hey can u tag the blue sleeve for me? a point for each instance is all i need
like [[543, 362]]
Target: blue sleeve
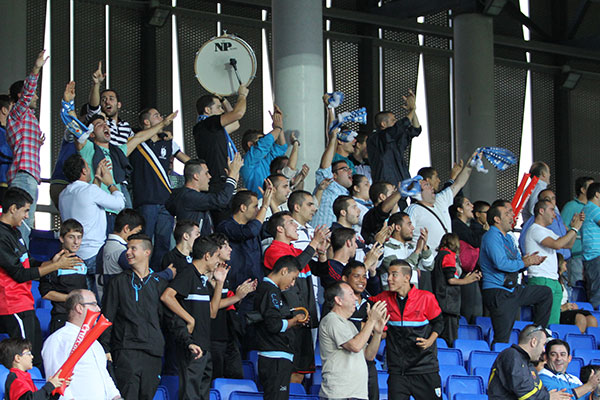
[[74, 125], [493, 246], [551, 383], [322, 174], [166, 274], [526, 225], [123, 263], [568, 211], [276, 151], [260, 150]]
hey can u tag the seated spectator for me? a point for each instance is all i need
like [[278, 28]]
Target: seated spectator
[[340, 174], [17, 270], [261, 150], [87, 203], [570, 313], [57, 285], [17, 357], [190, 297], [91, 379], [274, 332], [385, 198], [554, 376], [400, 247], [114, 252], [359, 156], [447, 282], [186, 232], [194, 201], [360, 193], [347, 215], [6, 155], [584, 375], [341, 343]]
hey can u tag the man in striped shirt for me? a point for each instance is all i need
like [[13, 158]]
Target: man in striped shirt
[[24, 136]]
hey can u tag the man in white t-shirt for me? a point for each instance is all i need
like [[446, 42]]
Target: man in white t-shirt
[[541, 240], [344, 350]]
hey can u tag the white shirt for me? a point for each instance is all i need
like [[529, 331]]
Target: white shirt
[[87, 203], [533, 242], [527, 211], [422, 218], [91, 380]]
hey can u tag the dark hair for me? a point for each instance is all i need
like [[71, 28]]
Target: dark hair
[[356, 180], [557, 342], [539, 206], [377, 189], [274, 178], [205, 101], [110, 90], [202, 246], [362, 137], [450, 241], [427, 172], [183, 226], [500, 203], [74, 298], [540, 196], [592, 190], [297, 198], [334, 165], [129, 217], [340, 236], [278, 164], [276, 221], [480, 205], [289, 262], [15, 90], [16, 196], [145, 239], [341, 203], [219, 238], [537, 168], [579, 182], [5, 101], [70, 225], [397, 218], [144, 115], [381, 117], [333, 291], [192, 167], [11, 347], [494, 212], [243, 197], [95, 117], [250, 136], [351, 266], [73, 167], [403, 264], [586, 371]]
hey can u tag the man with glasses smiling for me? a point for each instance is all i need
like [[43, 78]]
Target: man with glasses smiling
[[90, 377]]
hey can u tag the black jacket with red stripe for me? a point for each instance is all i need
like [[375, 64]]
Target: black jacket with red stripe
[[447, 295], [417, 315]]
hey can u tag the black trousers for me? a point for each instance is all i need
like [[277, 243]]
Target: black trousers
[[194, 375], [373, 381], [450, 332], [275, 375], [422, 387], [503, 304], [137, 373], [471, 305], [25, 325], [304, 353], [226, 360]]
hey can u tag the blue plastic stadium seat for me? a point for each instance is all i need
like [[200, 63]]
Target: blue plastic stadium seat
[[171, 383], [579, 341], [447, 370], [43, 245], [253, 358], [38, 382], [595, 332], [303, 397], [43, 314], [240, 395], [526, 313], [584, 305], [317, 376], [486, 325], [382, 378], [586, 355], [450, 357], [562, 330], [35, 291], [248, 370], [500, 346], [484, 373], [381, 351], [215, 395], [297, 388], [467, 346], [513, 338], [226, 386], [464, 396], [578, 294], [462, 321], [470, 332], [161, 394], [481, 359], [43, 303], [441, 343], [464, 385], [315, 389], [574, 366], [35, 373], [521, 324]]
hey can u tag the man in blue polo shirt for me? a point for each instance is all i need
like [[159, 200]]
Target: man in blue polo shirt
[[590, 233]]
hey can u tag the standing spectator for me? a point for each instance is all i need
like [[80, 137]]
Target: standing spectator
[[542, 171], [385, 198], [57, 285], [90, 379], [261, 150], [575, 263], [590, 233], [87, 203], [543, 241], [216, 120], [501, 262], [359, 156], [25, 138], [194, 201], [186, 232], [347, 215], [151, 184], [302, 208], [479, 223], [343, 344], [6, 155], [17, 314], [415, 324], [281, 192], [360, 193]]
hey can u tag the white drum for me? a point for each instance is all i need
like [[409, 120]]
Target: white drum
[[223, 62]]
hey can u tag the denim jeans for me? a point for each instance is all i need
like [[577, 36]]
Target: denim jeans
[[27, 182], [90, 277], [159, 226]]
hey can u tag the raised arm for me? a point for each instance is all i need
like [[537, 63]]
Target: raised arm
[[329, 152], [146, 134], [293, 159], [97, 79], [411, 107], [463, 177], [237, 112]]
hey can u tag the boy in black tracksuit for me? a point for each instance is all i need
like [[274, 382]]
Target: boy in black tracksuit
[[191, 297], [273, 341]]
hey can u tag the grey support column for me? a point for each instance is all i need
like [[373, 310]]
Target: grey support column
[[474, 96], [298, 75]]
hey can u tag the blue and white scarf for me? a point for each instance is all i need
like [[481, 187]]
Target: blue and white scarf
[[499, 157]]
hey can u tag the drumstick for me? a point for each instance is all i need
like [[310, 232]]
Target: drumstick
[[233, 63]]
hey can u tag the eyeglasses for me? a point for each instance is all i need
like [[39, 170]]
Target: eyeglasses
[[345, 169], [537, 329], [90, 303], [27, 353]]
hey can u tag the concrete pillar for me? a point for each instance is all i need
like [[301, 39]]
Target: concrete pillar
[[474, 96], [13, 31], [298, 75]]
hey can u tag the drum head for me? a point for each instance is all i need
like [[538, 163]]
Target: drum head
[[213, 68]]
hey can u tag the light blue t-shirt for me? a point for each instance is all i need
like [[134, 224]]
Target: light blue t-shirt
[[590, 232]]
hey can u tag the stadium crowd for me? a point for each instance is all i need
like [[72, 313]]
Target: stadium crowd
[[196, 271]]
